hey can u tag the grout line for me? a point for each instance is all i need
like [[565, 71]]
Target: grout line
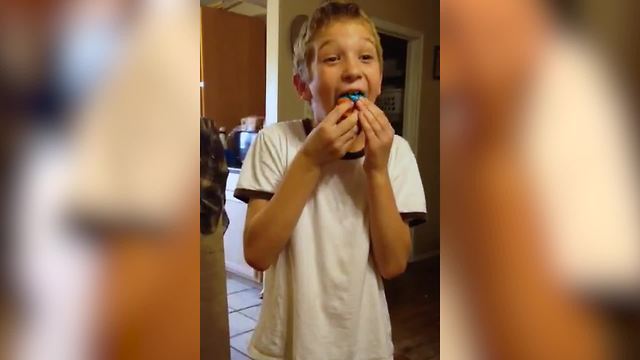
[[247, 316], [242, 333], [239, 291], [243, 281], [242, 352], [248, 307]]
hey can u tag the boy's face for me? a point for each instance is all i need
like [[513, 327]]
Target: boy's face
[[345, 61]]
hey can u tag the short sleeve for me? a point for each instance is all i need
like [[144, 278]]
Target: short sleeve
[[407, 184], [262, 169]]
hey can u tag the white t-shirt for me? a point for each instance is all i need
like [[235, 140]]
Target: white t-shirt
[[323, 298]]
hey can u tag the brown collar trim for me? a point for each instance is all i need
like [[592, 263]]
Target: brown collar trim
[[308, 126], [353, 155]]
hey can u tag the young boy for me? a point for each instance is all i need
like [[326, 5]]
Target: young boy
[[330, 202]]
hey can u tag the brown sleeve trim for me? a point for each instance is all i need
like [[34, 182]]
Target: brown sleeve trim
[[245, 195], [414, 218]]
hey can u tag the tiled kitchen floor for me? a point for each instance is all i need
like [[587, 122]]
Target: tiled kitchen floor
[[244, 301]]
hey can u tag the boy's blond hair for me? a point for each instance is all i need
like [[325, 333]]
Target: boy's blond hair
[[303, 52]]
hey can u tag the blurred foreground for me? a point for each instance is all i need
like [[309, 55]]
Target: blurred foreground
[[539, 171], [540, 240], [99, 156]]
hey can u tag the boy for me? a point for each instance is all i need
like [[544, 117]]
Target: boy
[[330, 202]]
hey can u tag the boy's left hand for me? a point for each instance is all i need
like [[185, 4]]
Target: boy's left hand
[[378, 136]]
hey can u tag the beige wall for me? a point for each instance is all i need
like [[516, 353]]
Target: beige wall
[[419, 15], [289, 105]]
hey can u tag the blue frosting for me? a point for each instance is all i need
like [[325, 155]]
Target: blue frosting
[[354, 96]]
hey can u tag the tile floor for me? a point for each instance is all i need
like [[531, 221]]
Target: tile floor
[[244, 302]]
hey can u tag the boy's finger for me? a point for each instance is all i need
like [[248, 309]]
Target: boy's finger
[[372, 107], [366, 127], [364, 104], [370, 118], [345, 140], [347, 145], [347, 124], [379, 116], [383, 125], [336, 114]]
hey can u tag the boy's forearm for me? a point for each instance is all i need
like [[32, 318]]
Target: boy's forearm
[[390, 235], [267, 233]]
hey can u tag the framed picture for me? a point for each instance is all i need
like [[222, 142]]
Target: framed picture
[[436, 62]]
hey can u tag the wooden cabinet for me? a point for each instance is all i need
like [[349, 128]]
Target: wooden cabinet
[[233, 66]]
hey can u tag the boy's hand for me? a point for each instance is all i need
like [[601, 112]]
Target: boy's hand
[[331, 139], [378, 136]]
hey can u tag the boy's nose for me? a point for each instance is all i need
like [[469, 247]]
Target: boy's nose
[[351, 72]]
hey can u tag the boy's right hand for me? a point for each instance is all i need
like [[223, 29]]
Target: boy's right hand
[[331, 138]]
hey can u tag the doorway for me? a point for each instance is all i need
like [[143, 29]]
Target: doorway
[[404, 72], [393, 80]]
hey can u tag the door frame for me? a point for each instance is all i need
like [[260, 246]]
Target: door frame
[[412, 87], [413, 77]]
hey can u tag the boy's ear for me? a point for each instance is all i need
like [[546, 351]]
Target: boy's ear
[[302, 88]]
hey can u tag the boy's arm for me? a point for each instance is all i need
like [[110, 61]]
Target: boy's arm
[[390, 235], [269, 224]]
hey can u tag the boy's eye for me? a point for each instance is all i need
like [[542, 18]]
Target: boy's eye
[[330, 59], [366, 57]]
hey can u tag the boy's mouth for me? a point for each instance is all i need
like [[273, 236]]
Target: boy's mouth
[[352, 95]]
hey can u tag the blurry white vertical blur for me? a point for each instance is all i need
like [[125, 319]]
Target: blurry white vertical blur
[[55, 267], [136, 152], [121, 150], [91, 35], [566, 120], [578, 140]]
